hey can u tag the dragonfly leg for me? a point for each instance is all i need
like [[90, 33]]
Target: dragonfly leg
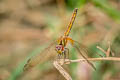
[[60, 59], [66, 55], [59, 56]]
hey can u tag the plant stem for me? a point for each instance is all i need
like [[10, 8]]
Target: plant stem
[[98, 59]]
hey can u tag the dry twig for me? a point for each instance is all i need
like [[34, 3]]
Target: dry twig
[[107, 53], [61, 70], [58, 64], [97, 59]]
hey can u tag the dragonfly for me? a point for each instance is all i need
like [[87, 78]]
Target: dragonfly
[[59, 47]]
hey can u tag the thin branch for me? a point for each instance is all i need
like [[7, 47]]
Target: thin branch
[[67, 76], [108, 52], [60, 62], [101, 50], [62, 70], [97, 59]]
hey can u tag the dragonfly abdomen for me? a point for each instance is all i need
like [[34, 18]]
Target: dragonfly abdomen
[[71, 23]]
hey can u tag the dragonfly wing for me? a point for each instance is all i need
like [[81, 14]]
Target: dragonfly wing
[[82, 50], [83, 47], [42, 57]]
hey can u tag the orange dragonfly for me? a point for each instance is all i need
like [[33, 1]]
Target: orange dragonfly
[[59, 46]]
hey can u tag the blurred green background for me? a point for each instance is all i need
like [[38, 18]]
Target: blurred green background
[[28, 26]]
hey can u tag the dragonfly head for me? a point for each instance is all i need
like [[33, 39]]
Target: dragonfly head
[[59, 48]]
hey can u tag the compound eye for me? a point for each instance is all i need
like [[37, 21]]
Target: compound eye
[[58, 47]]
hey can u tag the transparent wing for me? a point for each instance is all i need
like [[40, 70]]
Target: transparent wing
[[82, 50], [86, 49], [42, 57]]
